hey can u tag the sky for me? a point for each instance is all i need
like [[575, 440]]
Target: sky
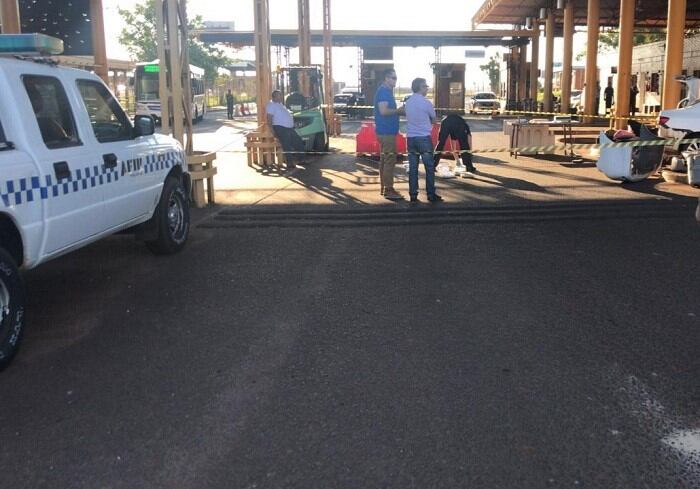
[[347, 14]]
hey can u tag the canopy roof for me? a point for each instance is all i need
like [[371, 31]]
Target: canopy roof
[[377, 38], [649, 13]]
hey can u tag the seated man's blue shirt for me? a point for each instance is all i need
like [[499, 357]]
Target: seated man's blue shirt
[[385, 125]]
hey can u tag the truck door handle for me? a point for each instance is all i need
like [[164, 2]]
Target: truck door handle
[[61, 170], [110, 160]]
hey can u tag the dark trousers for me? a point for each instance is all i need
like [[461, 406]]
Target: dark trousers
[[230, 111], [460, 136], [291, 143]]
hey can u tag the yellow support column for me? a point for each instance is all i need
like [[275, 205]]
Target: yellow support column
[[534, 65], [9, 15], [591, 90], [624, 64], [262, 59], [549, 61], [675, 37], [304, 33], [567, 65], [98, 40]]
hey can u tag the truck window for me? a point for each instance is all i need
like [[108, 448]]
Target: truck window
[[3, 141], [109, 122], [52, 110]]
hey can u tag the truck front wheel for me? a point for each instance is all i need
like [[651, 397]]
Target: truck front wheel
[[11, 308], [171, 219]]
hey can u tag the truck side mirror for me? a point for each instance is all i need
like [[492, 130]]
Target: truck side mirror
[[144, 126]]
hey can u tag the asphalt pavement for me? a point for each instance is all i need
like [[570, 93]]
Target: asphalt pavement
[[519, 345]]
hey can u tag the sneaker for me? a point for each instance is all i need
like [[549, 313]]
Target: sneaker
[[473, 170], [414, 199], [435, 198], [392, 194], [382, 191]]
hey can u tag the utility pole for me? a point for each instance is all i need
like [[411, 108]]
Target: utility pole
[[99, 46], [262, 59], [175, 87], [328, 65], [9, 15]]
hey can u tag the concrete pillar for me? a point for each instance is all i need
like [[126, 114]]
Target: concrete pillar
[[549, 61], [534, 64], [99, 46], [262, 59], [9, 14], [675, 37], [512, 90], [522, 76], [591, 91], [304, 33], [624, 64], [567, 65]]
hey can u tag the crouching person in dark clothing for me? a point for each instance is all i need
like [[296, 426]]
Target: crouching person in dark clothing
[[455, 127], [282, 123]]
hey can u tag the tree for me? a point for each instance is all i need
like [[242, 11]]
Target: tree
[[139, 38], [493, 69], [608, 41]]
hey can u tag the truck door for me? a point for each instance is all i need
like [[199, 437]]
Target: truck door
[[72, 176], [20, 191], [131, 195]]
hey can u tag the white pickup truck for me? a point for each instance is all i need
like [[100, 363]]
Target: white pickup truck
[[74, 169]]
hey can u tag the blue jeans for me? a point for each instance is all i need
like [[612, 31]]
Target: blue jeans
[[423, 147]]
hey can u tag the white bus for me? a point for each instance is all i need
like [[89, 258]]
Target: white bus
[[148, 98]]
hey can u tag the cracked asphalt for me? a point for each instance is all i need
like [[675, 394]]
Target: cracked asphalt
[[529, 345], [497, 354]]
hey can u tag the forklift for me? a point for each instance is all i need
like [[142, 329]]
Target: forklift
[[302, 89]]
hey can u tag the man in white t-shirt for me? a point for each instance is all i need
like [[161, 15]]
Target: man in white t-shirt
[[282, 123], [420, 116]]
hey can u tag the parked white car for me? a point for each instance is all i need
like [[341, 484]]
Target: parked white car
[[683, 123], [74, 170], [483, 102]]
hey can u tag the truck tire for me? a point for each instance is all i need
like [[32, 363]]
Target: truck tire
[[11, 308], [321, 145], [171, 219]]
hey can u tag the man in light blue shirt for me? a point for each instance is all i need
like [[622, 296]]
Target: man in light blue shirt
[[420, 116]]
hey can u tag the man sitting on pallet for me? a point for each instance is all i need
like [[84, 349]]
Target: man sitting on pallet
[[282, 122]]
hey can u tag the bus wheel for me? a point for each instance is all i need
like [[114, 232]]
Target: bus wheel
[[195, 119]]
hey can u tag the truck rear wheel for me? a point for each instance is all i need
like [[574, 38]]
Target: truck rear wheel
[[11, 308], [320, 143], [171, 218]]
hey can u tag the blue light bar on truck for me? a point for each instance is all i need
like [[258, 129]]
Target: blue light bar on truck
[[30, 44]]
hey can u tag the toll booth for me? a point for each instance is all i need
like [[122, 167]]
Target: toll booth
[[372, 77], [448, 86]]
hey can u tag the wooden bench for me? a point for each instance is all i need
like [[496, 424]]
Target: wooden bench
[[264, 150], [201, 167]]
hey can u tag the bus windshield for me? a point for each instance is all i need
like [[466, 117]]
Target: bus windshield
[[146, 84]]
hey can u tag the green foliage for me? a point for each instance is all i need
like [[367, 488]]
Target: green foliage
[[608, 41], [493, 69], [139, 38]]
